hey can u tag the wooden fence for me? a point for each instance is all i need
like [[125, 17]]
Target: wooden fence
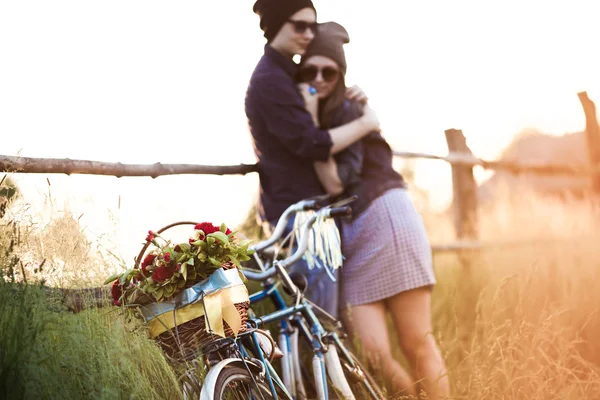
[[459, 157]]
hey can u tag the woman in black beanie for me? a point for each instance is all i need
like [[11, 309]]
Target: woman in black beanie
[[286, 140], [388, 264]]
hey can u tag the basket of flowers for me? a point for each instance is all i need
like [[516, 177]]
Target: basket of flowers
[[187, 293]]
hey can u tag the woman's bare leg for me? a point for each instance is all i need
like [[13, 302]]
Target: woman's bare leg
[[368, 322], [411, 312]]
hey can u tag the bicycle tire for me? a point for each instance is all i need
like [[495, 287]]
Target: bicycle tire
[[240, 375], [333, 394], [360, 388], [336, 375]]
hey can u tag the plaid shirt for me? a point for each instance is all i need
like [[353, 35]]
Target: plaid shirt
[[285, 139]]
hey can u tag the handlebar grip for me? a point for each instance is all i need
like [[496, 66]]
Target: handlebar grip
[[311, 205], [316, 202], [340, 211]]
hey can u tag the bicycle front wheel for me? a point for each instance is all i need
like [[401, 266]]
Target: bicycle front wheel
[[236, 383]]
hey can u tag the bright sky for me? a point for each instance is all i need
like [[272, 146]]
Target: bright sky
[[147, 81]]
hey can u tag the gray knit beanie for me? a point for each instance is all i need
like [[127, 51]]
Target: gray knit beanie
[[329, 42]]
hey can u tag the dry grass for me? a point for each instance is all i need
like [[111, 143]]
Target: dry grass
[[520, 323]]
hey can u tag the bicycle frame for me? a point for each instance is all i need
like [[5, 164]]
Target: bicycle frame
[[305, 320], [302, 318], [312, 334]]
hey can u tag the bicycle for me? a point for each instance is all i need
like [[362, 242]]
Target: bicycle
[[230, 361], [288, 340]]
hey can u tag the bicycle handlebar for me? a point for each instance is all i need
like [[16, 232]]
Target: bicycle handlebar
[[302, 245], [313, 203]]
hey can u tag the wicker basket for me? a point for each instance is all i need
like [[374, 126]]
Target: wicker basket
[[186, 340]]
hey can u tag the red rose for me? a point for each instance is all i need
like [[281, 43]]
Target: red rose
[[150, 236], [207, 228], [178, 267], [116, 291], [147, 261], [167, 257], [177, 249], [162, 273]]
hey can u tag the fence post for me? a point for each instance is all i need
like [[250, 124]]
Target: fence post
[[464, 189], [592, 135]]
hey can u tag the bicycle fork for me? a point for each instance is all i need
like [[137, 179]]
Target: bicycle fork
[[319, 368]]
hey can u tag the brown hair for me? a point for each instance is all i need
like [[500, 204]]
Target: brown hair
[[329, 105]]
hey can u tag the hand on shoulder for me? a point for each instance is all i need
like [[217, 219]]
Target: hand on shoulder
[[357, 94]]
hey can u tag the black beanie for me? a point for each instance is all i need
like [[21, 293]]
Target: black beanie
[[329, 42], [274, 13]]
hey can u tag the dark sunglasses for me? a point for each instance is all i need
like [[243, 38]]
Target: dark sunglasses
[[309, 73], [301, 26]]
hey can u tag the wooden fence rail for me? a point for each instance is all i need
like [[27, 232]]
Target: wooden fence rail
[[68, 166], [459, 157]]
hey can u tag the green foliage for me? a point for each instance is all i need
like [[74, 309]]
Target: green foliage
[[8, 189], [47, 353], [9, 233], [171, 268]]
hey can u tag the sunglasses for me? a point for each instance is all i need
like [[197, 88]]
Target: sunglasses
[[301, 26], [310, 72]]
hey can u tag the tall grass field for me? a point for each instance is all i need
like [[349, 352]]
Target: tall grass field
[[513, 322]]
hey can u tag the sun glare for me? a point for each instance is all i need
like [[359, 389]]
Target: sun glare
[[139, 82]]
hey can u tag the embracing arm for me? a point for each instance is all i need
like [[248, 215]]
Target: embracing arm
[[327, 171], [337, 172], [345, 135], [342, 171], [328, 175], [350, 133], [285, 116]]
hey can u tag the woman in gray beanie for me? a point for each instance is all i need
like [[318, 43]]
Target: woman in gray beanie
[[388, 263]]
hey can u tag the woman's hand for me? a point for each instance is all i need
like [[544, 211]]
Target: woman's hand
[[311, 101], [356, 93]]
